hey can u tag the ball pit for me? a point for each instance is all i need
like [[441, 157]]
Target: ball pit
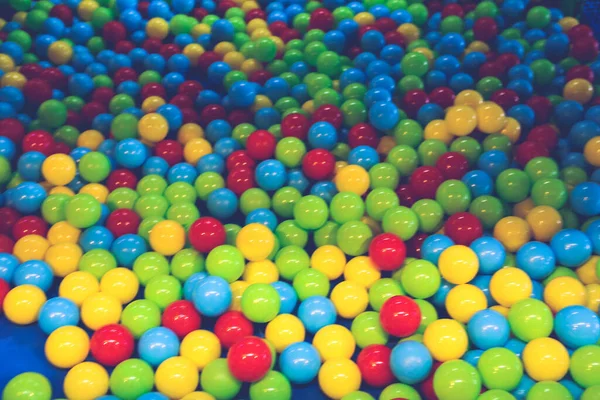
[[267, 200]]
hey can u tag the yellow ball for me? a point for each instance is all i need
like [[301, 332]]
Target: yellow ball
[[461, 120], [100, 309], [446, 339], [587, 272], [77, 286], [237, 290], [338, 167], [63, 232], [509, 285], [562, 292], [463, 301], [67, 346], [7, 64], [478, 46], [512, 232], [153, 127], [284, 330], [167, 237], [96, 190], [223, 48], [471, 98], [30, 247], [255, 241], [193, 51], [261, 101], [309, 106], [591, 151], [544, 222], [86, 381], [545, 359], [22, 304], [198, 396], [255, 24], [426, 52], [60, 52], [188, 132], [176, 377], [410, 32], [59, 169], [195, 149], [521, 209], [200, 347], [90, 139], [15, 79], [386, 144], [86, 8], [458, 264], [512, 129], [364, 18], [362, 270], [63, 258], [122, 283], [250, 66], [593, 297], [437, 129], [349, 299], [337, 378], [567, 23], [234, 59], [334, 341], [200, 29], [264, 271], [352, 178], [61, 190], [502, 310], [579, 90], [330, 260], [157, 28], [490, 117], [151, 104]]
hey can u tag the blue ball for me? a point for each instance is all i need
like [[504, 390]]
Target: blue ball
[[57, 312], [211, 163], [488, 329], [270, 175], [96, 237], [131, 153], [439, 298], [483, 283], [524, 114], [572, 387], [537, 291], [322, 135], [8, 264], [316, 312], [429, 112], [225, 146], [29, 166], [384, 115], [577, 326], [217, 129], [567, 113], [7, 148], [516, 346], [262, 216], [571, 247], [28, 197], [479, 183], [172, 114], [190, 284], [128, 248], [536, 259], [182, 172], [155, 166], [491, 254], [593, 233], [523, 387], [222, 203], [433, 246], [242, 94], [376, 95], [212, 296], [585, 199], [365, 156], [158, 344], [581, 133], [410, 362], [287, 296], [493, 162], [372, 41], [34, 272], [153, 396], [300, 362], [473, 356]]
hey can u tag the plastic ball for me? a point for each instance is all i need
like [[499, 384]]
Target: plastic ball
[[300, 362], [87, 380], [333, 372], [23, 303], [398, 309], [28, 385], [176, 377], [545, 359], [67, 346]]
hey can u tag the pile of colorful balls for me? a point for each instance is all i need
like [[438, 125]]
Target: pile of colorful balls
[[242, 199]]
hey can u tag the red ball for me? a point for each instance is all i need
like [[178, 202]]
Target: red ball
[[261, 77], [38, 140], [55, 77], [62, 12], [544, 134], [6, 244], [250, 359], [124, 47], [362, 134], [37, 91], [329, 113], [387, 251], [585, 49], [529, 150], [61, 148], [190, 88], [374, 364], [542, 108], [240, 116], [442, 96], [318, 164], [223, 6], [491, 68], [385, 25], [463, 228], [485, 29], [103, 95], [505, 98], [4, 289], [277, 27], [295, 125], [232, 327], [206, 233], [206, 59], [239, 159], [414, 244], [212, 112], [170, 150], [579, 31], [394, 37], [260, 145], [413, 100], [124, 74], [425, 181], [91, 110], [321, 19], [189, 115], [427, 385], [256, 13], [112, 344], [508, 60], [400, 316], [453, 9], [406, 195], [121, 178], [29, 225], [181, 317], [152, 45], [153, 89], [114, 31], [580, 72], [240, 179], [12, 129], [31, 71], [8, 218], [123, 221], [182, 101], [452, 165]]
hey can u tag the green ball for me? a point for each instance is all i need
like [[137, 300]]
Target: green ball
[[543, 72], [497, 141], [290, 260], [311, 212], [383, 176], [28, 386], [310, 282], [558, 272], [420, 279], [124, 126], [231, 232], [5, 170], [131, 379], [327, 234], [183, 213], [83, 211], [409, 82], [290, 151], [152, 184], [139, 316], [180, 192], [404, 158], [549, 192], [530, 319], [414, 64], [429, 213], [541, 168], [430, 150], [457, 379], [584, 367], [185, 263], [354, 238], [226, 262], [428, 314], [163, 290], [488, 209], [216, 380], [500, 369], [486, 9], [274, 386], [454, 196], [122, 197], [379, 201], [358, 396], [591, 393], [488, 85], [329, 63], [67, 134], [54, 208], [468, 147], [573, 176], [382, 290], [260, 303], [21, 37], [290, 234], [120, 103], [496, 394], [346, 206], [94, 167], [151, 205], [513, 185], [253, 199], [52, 113], [150, 265], [97, 262], [354, 112], [538, 17], [452, 24], [399, 391], [547, 390], [146, 226], [207, 182], [284, 200], [401, 221], [367, 330]]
